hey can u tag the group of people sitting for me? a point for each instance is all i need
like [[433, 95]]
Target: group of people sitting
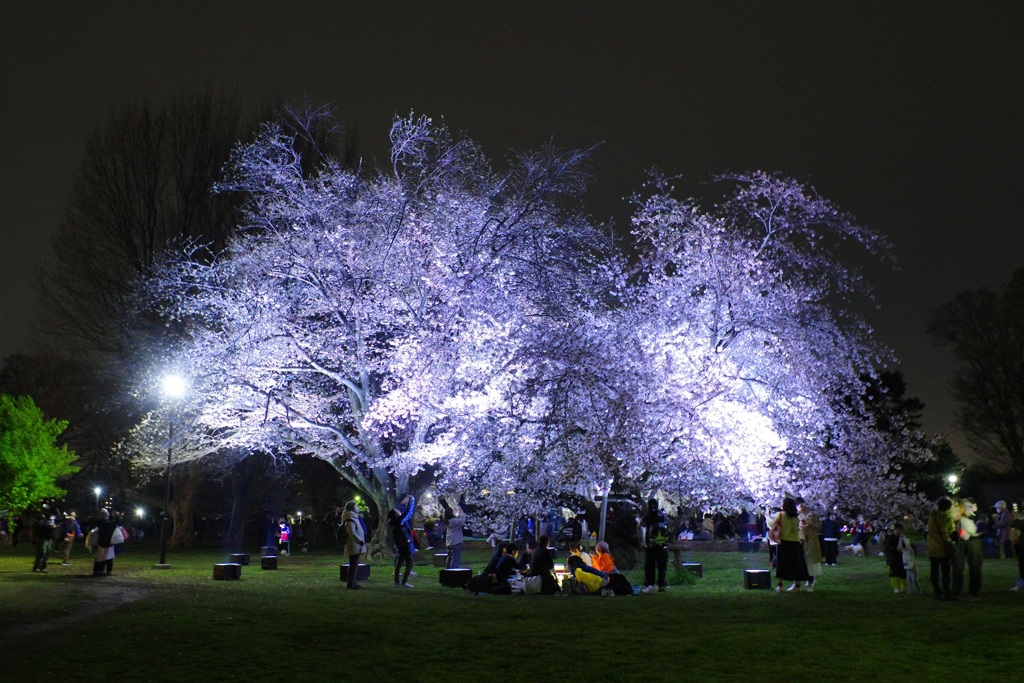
[[510, 571]]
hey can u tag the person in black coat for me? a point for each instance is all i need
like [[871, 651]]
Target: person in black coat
[[656, 548], [403, 547], [829, 534], [543, 565]]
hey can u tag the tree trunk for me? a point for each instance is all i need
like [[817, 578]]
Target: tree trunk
[[187, 479], [234, 539], [250, 481]]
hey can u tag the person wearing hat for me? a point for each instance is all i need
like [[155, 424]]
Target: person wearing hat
[[70, 531], [42, 539], [1002, 526], [968, 550]]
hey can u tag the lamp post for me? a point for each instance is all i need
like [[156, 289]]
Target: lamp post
[[174, 388]]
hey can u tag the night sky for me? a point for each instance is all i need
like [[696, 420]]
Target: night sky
[[908, 115]]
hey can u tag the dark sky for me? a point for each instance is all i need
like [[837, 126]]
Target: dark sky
[[908, 115]]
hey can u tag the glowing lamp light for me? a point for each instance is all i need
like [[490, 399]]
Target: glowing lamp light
[[140, 513], [951, 479], [174, 386]]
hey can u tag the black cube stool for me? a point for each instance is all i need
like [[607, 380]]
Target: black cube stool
[[757, 578], [362, 572], [227, 571], [268, 562], [440, 559], [240, 558], [455, 578], [268, 550]]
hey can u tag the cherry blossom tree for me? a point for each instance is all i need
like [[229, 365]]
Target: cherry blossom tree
[[728, 373], [443, 322], [367, 318], [743, 316]]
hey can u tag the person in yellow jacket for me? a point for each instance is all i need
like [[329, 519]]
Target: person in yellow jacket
[[586, 576], [790, 564]]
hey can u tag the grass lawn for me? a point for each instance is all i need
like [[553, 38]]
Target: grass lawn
[[299, 623]]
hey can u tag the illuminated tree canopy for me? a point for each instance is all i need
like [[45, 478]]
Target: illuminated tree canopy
[[445, 319], [361, 318], [31, 462], [760, 367]]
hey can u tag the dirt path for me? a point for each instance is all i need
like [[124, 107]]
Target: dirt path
[[88, 598]]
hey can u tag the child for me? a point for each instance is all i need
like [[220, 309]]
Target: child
[[910, 566]]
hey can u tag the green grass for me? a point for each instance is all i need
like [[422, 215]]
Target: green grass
[[299, 623]]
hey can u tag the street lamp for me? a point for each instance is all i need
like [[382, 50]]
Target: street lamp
[[97, 491], [174, 388]]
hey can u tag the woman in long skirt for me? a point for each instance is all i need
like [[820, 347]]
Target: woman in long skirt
[[789, 562]]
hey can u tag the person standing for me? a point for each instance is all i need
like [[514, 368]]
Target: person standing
[[1002, 526], [284, 536], [70, 530], [103, 551], [810, 525], [968, 551], [335, 524], [655, 548], [830, 532], [1017, 534], [940, 548], [790, 564], [355, 541], [456, 523], [403, 548], [895, 545], [406, 511], [42, 540]]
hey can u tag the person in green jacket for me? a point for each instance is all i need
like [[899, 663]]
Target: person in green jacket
[[940, 548]]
